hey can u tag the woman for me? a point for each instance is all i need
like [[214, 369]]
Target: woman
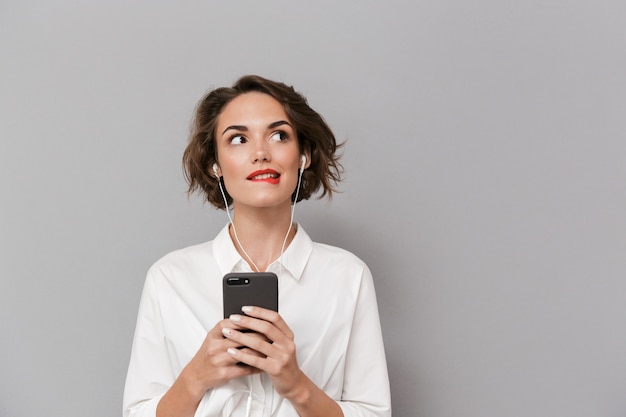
[[257, 147]]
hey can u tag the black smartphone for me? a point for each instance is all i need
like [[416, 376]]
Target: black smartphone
[[259, 289]]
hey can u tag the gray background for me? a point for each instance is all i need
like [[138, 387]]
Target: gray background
[[484, 186]]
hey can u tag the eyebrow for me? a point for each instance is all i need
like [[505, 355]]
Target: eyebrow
[[245, 128]]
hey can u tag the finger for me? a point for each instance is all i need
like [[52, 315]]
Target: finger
[[216, 332], [250, 358], [263, 331], [243, 340], [251, 352], [231, 365], [253, 341], [238, 369], [261, 313], [253, 327], [266, 355], [273, 365], [214, 355], [270, 316], [262, 316]]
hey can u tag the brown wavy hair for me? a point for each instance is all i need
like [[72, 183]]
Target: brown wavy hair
[[314, 136]]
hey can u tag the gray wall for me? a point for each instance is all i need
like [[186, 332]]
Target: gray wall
[[485, 172]]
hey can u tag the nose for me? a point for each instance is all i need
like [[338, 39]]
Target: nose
[[260, 153]]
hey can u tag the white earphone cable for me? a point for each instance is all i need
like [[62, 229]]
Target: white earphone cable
[[293, 209]]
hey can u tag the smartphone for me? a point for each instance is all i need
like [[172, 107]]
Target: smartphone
[[259, 289]]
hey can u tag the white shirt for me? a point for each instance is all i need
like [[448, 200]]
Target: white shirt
[[326, 296]]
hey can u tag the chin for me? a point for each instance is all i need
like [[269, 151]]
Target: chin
[[268, 202]]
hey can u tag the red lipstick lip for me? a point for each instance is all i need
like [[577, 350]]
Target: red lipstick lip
[[265, 171]]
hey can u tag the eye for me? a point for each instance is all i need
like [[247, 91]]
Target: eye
[[237, 140], [279, 136]]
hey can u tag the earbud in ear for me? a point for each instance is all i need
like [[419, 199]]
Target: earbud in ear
[[215, 170], [303, 159]]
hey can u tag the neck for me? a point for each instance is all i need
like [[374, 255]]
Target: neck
[[261, 234]]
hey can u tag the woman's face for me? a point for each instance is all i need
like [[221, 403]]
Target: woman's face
[[257, 151]]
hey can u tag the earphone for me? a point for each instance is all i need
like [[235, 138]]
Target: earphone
[[215, 170]]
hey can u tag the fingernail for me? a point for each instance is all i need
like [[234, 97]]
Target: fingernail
[[247, 309], [227, 332], [235, 317], [232, 351]]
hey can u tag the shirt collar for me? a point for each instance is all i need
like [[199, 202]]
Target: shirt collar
[[293, 261]]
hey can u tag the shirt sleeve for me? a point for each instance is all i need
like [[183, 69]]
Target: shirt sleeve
[[366, 382], [149, 372]]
